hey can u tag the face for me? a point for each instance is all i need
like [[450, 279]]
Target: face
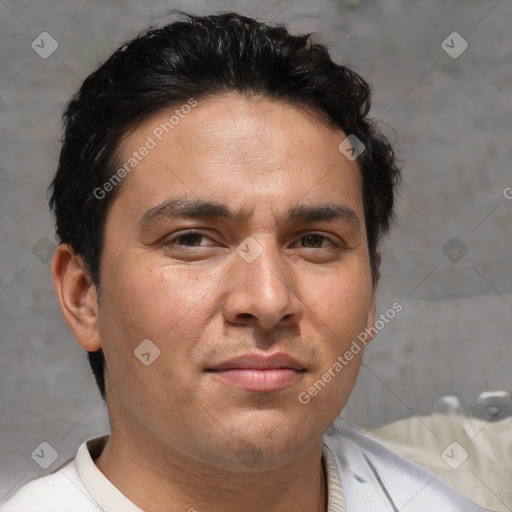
[[237, 245]]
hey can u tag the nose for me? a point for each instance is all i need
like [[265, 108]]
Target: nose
[[263, 292]]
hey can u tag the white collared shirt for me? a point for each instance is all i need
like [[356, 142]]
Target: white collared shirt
[[374, 479]]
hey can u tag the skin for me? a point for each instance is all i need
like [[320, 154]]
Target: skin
[[180, 434]]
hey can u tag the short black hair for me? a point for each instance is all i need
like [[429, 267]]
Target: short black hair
[[199, 57]]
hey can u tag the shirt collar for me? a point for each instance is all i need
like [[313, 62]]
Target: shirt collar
[[104, 492], [111, 499], [335, 500]]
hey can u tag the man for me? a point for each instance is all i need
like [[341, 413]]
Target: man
[[219, 200]]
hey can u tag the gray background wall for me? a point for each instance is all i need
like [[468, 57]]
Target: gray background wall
[[453, 119]]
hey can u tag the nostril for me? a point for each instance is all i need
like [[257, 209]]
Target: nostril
[[246, 316]]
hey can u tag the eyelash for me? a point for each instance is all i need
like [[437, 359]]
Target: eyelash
[[172, 241]]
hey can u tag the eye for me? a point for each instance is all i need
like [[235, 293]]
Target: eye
[[189, 239], [315, 241], [192, 246]]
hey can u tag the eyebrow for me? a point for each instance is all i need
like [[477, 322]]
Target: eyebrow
[[203, 209], [322, 212], [193, 208]]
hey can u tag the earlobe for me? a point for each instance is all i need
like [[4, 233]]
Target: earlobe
[[77, 296]]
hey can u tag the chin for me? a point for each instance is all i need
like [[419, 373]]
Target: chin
[[262, 444]]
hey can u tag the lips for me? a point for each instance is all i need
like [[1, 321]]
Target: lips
[[258, 373], [260, 362]]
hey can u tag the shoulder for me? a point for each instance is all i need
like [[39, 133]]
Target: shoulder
[[447, 444], [53, 493], [386, 479]]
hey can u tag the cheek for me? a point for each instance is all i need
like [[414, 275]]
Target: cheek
[[151, 301], [339, 312], [170, 306], [340, 308]]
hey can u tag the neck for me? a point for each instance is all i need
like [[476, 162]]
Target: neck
[[152, 480]]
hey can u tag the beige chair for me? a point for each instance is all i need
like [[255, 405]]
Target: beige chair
[[474, 454]]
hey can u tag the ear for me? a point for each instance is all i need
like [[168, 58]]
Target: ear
[[77, 297]]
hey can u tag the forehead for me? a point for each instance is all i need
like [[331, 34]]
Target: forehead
[[235, 149]]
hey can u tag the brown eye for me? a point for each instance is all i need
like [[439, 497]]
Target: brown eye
[[189, 239], [312, 241]]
